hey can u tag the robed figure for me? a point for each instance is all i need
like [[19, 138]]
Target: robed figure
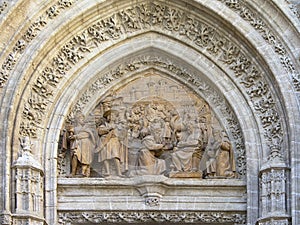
[[82, 146], [112, 148]]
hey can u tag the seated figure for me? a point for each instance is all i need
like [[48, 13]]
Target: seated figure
[[221, 162], [225, 159], [184, 154], [148, 161]]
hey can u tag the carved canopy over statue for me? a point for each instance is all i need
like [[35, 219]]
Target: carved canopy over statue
[[152, 126]]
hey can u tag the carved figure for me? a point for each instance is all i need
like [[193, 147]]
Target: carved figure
[[182, 155], [111, 150], [25, 143], [225, 159], [197, 156], [211, 163], [82, 145], [148, 161], [221, 162]]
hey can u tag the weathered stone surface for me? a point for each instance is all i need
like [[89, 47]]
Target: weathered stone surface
[[149, 112]]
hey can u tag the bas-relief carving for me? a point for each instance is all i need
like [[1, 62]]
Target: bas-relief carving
[[151, 126], [82, 143], [221, 161], [112, 145], [197, 83], [113, 27], [66, 218]]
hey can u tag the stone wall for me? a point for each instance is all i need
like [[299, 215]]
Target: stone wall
[[239, 59]]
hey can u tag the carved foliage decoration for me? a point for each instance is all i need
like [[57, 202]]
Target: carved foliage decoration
[[31, 33], [131, 24], [294, 9], [156, 17], [195, 81], [154, 216], [268, 35]]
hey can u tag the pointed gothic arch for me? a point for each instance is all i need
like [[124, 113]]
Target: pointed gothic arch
[[188, 41]]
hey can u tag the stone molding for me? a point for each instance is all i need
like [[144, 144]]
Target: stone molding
[[31, 33], [293, 7], [266, 104], [148, 199], [191, 29], [263, 28], [55, 10], [67, 218], [151, 192]]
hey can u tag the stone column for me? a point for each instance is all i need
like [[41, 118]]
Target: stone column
[[28, 196], [273, 191]]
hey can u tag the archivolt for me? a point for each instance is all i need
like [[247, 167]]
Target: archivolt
[[172, 21], [108, 30]]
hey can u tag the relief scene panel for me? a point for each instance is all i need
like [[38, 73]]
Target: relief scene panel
[[150, 126]]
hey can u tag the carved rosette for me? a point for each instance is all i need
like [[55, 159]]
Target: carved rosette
[[152, 199]]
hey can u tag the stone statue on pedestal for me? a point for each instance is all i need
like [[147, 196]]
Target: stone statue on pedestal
[[82, 146]]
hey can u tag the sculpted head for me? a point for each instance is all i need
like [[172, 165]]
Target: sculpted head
[[79, 118]]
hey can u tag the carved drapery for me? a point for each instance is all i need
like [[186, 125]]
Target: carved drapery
[[215, 43], [245, 70], [186, 128], [200, 85], [37, 105]]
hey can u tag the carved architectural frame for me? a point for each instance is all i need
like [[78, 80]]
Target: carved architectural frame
[[231, 69]]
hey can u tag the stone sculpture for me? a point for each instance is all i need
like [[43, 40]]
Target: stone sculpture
[[221, 162], [148, 159], [182, 153], [110, 148], [153, 127], [82, 145], [225, 159]]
